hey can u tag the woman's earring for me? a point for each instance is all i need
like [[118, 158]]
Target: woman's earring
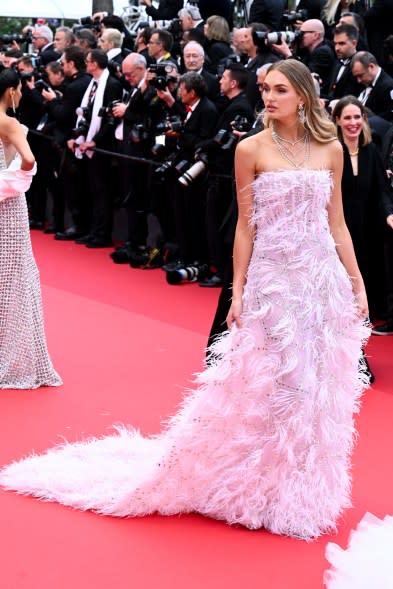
[[13, 104], [301, 114]]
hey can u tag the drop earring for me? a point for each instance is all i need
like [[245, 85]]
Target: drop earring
[[301, 114], [13, 104]]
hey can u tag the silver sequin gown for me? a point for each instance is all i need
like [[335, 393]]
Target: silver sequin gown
[[24, 358]]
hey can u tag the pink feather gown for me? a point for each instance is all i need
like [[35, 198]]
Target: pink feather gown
[[265, 439]]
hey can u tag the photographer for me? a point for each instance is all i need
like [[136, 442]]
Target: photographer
[[42, 41], [238, 116], [134, 139], [318, 54], [95, 129], [190, 197], [71, 173], [160, 46]]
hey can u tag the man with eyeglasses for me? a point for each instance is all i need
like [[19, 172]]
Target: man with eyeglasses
[[42, 41], [160, 45], [319, 56]]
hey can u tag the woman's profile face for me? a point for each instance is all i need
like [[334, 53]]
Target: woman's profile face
[[16, 94], [350, 121], [279, 96]]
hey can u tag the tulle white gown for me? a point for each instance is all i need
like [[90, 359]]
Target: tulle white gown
[[24, 358], [265, 438]]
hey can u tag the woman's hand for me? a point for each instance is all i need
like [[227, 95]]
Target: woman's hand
[[362, 304], [389, 221], [234, 314]]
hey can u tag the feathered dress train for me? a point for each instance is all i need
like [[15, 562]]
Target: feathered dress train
[[265, 439], [367, 563]]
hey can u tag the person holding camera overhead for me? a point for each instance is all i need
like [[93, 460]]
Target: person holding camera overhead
[[166, 10]]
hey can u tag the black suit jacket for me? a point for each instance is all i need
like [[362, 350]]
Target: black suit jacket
[[268, 12], [113, 91], [213, 85], [63, 110], [199, 127], [48, 54], [347, 83], [222, 160], [253, 94], [321, 61], [167, 10], [380, 99]]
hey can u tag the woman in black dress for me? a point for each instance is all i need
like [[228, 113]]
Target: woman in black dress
[[366, 197]]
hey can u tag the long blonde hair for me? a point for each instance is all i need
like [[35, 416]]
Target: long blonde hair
[[322, 129]]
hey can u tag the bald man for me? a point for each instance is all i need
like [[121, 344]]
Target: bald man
[[319, 55]]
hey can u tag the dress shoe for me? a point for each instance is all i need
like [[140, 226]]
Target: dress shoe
[[50, 229], [69, 234], [213, 282], [97, 243], [83, 240], [121, 255], [36, 224]]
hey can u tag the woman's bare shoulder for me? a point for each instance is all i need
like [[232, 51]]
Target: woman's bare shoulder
[[249, 145]]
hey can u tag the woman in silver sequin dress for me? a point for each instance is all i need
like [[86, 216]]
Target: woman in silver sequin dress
[[24, 359]]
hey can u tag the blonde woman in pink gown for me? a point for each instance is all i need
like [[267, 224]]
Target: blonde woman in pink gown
[[24, 359], [265, 438]]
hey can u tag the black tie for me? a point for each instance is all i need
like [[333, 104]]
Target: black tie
[[92, 92]]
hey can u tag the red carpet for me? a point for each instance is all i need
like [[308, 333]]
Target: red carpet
[[126, 344]]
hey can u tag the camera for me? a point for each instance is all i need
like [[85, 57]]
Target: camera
[[189, 175], [227, 140], [41, 85], [241, 124], [138, 133], [262, 38], [224, 63], [172, 124], [108, 112], [8, 39], [84, 123], [88, 23], [187, 274], [163, 77], [290, 18]]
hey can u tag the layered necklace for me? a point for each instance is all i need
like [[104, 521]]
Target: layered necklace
[[296, 153]]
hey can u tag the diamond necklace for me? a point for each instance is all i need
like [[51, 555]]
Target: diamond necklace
[[287, 151]]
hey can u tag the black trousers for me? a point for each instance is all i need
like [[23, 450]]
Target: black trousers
[[74, 179], [100, 181], [218, 201], [190, 214]]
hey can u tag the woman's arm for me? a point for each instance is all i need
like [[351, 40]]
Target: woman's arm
[[244, 236], [15, 134], [340, 231]]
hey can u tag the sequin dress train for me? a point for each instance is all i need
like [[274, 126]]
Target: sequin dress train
[[24, 359], [265, 438]]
